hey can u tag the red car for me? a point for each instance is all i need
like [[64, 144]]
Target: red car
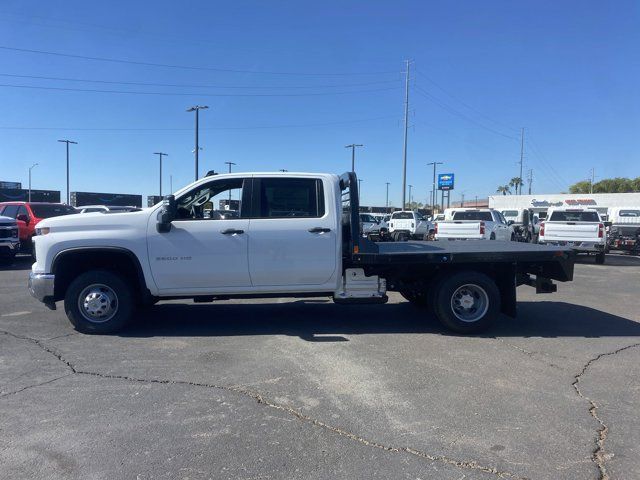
[[29, 214]]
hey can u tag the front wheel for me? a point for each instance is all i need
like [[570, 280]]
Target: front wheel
[[467, 302], [99, 302]]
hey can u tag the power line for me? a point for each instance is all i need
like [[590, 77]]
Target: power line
[[182, 85], [254, 127], [190, 67], [195, 94], [457, 113], [478, 112]]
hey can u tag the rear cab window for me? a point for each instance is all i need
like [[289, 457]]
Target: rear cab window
[[629, 213], [402, 216], [577, 216], [288, 198], [473, 215]]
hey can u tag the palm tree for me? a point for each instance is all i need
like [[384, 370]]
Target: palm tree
[[504, 189], [517, 183]]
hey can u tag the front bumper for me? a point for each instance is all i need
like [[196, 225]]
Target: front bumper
[[9, 248], [41, 286]]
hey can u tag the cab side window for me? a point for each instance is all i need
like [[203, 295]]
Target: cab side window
[[215, 200], [290, 198], [22, 210]]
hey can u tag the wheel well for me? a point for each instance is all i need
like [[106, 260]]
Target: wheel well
[[69, 264]]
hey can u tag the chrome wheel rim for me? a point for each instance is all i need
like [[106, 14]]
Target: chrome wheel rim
[[98, 303], [469, 303]]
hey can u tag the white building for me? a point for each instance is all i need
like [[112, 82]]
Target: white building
[[540, 203]]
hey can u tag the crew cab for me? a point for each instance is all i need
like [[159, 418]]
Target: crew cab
[[578, 228], [296, 235], [624, 229], [29, 214], [9, 240], [473, 224], [407, 224]]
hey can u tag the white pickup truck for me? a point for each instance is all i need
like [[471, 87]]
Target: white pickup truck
[[473, 224], [624, 229], [578, 228], [296, 235], [409, 225]]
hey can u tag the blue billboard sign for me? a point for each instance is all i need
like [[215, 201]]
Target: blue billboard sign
[[445, 181]]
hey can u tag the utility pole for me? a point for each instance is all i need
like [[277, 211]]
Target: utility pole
[[387, 202], [593, 179], [434, 195], [229, 163], [359, 189], [519, 186], [406, 131], [68, 142], [30, 168], [462, 201], [410, 187], [160, 154], [530, 179], [353, 154], [197, 108], [171, 183], [476, 205]]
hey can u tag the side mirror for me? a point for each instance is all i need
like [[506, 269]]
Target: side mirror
[[23, 218], [167, 214]]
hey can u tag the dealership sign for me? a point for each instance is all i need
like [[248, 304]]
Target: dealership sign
[[445, 181], [589, 202]]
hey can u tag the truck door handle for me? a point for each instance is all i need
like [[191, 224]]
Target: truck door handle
[[319, 230], [231, 231]]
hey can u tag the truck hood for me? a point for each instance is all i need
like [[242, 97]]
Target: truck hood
[[7, 220], [93, 221]]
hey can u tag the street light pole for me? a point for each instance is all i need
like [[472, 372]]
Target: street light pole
[[30, 168], [353, 154], [197, 108], [406, 133], [410, 187], [387, 202], [359, 189], [160, 154], [433, 193], [68, 142]]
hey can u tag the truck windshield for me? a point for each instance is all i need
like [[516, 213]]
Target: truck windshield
[[586, 216], [510, 213], [402, 216], [473, 215], [51, 210], [368, 218]]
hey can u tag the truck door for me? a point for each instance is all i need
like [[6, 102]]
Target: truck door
[[292, 235], [205, 250]]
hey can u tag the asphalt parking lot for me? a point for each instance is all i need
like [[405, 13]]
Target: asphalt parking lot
[[285, 389]]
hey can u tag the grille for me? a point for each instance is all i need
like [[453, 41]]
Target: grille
[[8, 232]]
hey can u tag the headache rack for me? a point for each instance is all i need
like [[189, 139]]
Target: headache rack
[[352, 240]]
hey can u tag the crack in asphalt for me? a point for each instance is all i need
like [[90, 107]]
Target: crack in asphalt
[[598, 456], [260, 399], [36, 385]]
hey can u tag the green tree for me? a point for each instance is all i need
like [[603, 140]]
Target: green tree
[[581, 187], [607, 185], [504, 189], [517, 183]]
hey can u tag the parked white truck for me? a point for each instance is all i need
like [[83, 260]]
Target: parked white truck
[[578, 228], [409, 225], [473, 224], [624, 229], [296, 235]]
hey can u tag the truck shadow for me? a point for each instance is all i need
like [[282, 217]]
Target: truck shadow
[[21, 262], [612, 260], [320, 320]]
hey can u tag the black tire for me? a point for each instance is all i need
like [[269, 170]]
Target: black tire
[[7, 261], [465, 286], [102, 285], [419, 299], [600, 258], [492, 236]]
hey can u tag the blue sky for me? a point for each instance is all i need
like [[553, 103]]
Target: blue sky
[[566, 71]]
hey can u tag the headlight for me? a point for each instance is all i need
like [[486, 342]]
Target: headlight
[[42, 230]]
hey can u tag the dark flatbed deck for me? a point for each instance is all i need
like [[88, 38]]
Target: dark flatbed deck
[[465, 251]]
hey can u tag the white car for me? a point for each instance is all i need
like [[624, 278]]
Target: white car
[[407, 224], [474, 224], [582, 229]]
